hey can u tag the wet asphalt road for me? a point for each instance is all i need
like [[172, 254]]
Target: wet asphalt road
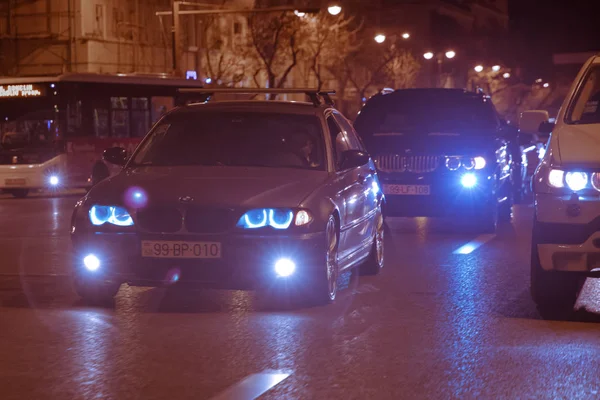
[[434, 325]]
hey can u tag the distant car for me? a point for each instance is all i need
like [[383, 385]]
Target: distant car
[[565, 244], [235, 194], [440, 153]]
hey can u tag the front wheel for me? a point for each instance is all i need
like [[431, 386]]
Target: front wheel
[[325, 285], [374, 264], [551, 290]]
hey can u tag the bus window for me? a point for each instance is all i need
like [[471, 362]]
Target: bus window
[[100, 122], [160, 105], [140, 116], [119, 116]]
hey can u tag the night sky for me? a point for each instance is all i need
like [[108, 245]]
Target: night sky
[[548, 27]]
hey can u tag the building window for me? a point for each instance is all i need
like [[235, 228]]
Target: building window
[[237, 28]]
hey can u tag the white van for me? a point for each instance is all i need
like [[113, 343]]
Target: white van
[[566, 185]]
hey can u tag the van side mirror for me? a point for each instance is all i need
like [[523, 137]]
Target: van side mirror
[[546, 128], [529, 121], [115, 155]]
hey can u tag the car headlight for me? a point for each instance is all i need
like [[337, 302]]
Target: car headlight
[[119, 216], [276, 218], [468, 163], [576, 180]]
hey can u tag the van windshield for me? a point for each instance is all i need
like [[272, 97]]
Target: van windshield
[[585, 108]]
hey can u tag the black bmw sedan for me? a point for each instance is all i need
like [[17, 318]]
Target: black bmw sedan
[[440, 152]]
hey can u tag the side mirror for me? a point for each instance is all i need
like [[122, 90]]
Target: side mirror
[[546, 128], [353, 159], [115, 155], [529, 121]]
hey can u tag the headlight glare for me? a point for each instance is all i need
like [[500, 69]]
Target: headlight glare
[[262, 217], [453, 163], [556, 178], [119, 216], [576, 180], [479, 162]]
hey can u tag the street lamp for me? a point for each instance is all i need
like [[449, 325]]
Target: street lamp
[[334, 9], [405, 35], [496, 68], [478, 68], [450, 54], [506, 75], [380, 38], [299, 14], [546, 85], [428, 55]]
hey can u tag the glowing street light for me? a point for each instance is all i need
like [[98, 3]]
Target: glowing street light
[[496, 68], [380, 38], [506, 75], [299, 13], [478, 68], [450, 54], [546, 85], [405, 35], [334, 9], [428, 55]]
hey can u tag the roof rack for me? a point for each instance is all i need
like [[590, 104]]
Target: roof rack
[[318, 97]]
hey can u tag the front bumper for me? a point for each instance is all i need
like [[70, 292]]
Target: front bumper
[[247, 260], [447, 196], [567, 232]]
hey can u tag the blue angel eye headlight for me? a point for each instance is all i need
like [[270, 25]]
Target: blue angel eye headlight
[[100, 215], [262, 217]]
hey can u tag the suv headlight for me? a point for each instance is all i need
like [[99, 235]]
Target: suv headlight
[[119, 216], [453, 163], [573, 180]]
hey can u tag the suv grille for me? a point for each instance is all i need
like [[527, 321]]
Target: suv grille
[[416, 164], [197, 220]]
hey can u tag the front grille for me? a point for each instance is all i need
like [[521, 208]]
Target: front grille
[[160, 219], [416, 164], [204, 220]]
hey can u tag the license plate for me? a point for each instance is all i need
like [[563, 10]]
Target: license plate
[[409, 190], [14, 182], [179, 249]]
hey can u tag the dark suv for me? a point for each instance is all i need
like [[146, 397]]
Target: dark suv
[[440, 152]]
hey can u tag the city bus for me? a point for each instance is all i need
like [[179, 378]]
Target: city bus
[[53, 129]]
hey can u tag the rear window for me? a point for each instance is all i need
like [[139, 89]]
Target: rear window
[[423, 113]]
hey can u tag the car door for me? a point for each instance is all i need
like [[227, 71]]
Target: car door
[[353, 191]]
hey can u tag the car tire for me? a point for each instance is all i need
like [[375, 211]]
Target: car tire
[[94, 291], [19, 193], [551, 291], [374, 264], [325, 287]]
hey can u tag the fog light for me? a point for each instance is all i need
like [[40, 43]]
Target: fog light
[[91, 262], [53, 180], [468, 180], [285, 267]]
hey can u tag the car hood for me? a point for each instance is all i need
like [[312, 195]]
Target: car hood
[[435, 143], [212, 186], [578, 145]]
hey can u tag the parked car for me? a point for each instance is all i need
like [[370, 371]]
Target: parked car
[[235, 194], [441, 153], [565, 246]]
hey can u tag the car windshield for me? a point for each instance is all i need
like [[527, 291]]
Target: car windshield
[[585, 108], [235, 139], [422, 113]]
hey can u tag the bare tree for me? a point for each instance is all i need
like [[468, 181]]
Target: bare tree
[[326, 41], [274, 40]]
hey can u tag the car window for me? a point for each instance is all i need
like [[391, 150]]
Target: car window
[[414, 113], [235, 139], [353, 142], [338, 139], [585, 108]]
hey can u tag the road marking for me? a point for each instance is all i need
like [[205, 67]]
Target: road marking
[[474, 244], [252, 386]]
